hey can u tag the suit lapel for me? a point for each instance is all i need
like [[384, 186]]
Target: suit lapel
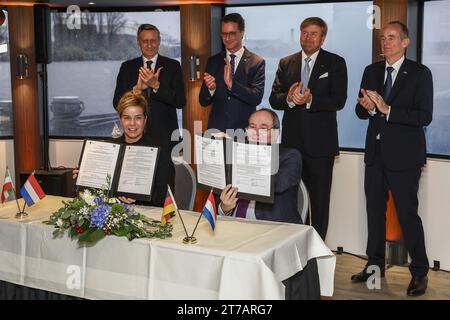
[[241, 66], [380, 78], [399, 81], [318, 69]]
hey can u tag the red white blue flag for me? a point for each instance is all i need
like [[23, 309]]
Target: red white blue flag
[[31, 191], [209, 211]]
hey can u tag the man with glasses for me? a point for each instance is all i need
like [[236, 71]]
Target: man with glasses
[[310, 86], [264, 127], [159, 78], [234, 79], [397, 97]]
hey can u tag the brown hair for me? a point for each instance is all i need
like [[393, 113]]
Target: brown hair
[[404, 29], [315, 21], [148, 27], [131, 99]]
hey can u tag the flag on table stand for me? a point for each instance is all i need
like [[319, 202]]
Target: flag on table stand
[[169, 207], [209, 211], [8, 187], [31, 191]]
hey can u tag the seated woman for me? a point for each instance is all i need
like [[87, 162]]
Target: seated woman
[[133, 113]]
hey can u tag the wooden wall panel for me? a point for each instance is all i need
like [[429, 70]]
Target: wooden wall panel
[[27, 141], [390, 10]]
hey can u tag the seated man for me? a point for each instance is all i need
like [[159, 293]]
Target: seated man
[[264, 127]]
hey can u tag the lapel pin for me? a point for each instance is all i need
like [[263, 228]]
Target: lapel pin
[[405, 72]]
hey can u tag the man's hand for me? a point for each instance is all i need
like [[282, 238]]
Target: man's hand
[[75, 172], [227, 74], [150, 78], [127, 200], [378, 101], [140, 85], [228, 198], [297, 97], [210, 81], [365, 101]]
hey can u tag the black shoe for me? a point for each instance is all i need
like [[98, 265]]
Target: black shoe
[[417, 286], [364, 275]]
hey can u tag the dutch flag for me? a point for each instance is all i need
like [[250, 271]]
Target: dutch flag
[[31, 191], [209, 211]]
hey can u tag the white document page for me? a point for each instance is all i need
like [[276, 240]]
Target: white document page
[[99, 160], [210, 162], [138, 168], [251, 168]]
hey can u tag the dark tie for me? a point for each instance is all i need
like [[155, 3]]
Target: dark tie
[[388, 84], [305, 74], [149, 90], [149, 64], [241, 211], [232, 63]]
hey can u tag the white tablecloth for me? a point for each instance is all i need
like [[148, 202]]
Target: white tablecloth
[[242, 259]]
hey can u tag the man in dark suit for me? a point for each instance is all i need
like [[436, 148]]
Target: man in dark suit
[[310, 86], [397, 97], [264, 127], [160, 80], [234, 79]]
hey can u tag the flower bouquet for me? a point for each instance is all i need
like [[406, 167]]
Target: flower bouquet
[[93, 215]]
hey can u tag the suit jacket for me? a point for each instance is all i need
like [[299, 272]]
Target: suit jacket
[[162, 104], [165, 170], [313, 131], [287, 181], [232, 108], [402, 140]]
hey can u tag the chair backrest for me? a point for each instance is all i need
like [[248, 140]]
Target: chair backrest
[[303, 203], [185, 185]]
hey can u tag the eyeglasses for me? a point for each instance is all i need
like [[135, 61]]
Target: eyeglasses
[[231, 35], [252, 129]]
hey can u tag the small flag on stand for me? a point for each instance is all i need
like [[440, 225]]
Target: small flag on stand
[[169, 207], [8, 187], [209, 211], [31, 191]]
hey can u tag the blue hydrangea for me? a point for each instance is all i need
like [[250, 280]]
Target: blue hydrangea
[[99, 215], [98, 200]]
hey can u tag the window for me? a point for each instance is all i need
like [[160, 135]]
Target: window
[[6, 120], [274, 32], [436, 56], [82, 76]]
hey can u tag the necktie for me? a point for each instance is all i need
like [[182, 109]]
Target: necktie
[[241, 211], [388, 84], [149, 64], [305, 73], [232, 63]]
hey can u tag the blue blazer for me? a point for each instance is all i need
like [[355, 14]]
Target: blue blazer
[[232, 108], [402, 139]]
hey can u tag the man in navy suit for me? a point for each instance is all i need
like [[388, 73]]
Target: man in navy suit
[[311, 86], [397, 97], [264, 127], [159, 78], [234, 79]]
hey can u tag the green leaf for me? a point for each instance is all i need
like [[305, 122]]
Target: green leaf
[[120, 232], [91, 236]]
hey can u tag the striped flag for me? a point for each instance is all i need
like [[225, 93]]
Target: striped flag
[[169, 207], [31, 191], [8, 187], [209, 211]]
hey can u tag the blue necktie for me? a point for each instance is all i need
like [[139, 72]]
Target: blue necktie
[[232, 63], [305, 74], [388, 84]]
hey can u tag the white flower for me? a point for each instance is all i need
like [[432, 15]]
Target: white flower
[[139, 224], [88, 197], [59, 222], [114, 200]]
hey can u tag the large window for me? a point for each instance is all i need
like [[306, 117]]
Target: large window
[[274, 32], [436, 56], [6, 121], [86, 61]]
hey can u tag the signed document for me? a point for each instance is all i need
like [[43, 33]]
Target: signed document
[[210, 162]]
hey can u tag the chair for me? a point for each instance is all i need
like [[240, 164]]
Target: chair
[[185, 185], [303, 204]]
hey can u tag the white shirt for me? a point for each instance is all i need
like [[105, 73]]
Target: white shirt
[[237, 59], [313, 58], [144, 60]]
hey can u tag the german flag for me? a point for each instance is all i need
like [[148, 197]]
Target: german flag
[[169, 208]]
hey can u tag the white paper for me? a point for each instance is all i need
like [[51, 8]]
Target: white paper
[[99, 160], [138, 168], [251, 168], [210, 162]]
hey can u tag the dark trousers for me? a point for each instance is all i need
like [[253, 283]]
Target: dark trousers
[[404, 186], [317, 174]]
